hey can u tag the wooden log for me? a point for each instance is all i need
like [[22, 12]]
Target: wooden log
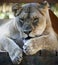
[[5, 59], [43, 58]]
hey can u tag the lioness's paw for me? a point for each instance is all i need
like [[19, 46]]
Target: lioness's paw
[[26, 49], [17, 57], [31, 47], [17, 60]]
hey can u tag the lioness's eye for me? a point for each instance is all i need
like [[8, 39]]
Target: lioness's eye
[[21, 20], [35, 21]]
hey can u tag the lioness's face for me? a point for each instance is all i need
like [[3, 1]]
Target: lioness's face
[[31, 20]]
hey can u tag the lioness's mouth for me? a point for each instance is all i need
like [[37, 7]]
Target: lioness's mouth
[[28, 38]]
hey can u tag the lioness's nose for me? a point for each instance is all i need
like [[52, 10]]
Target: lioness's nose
[[27, 29], [27, 32]]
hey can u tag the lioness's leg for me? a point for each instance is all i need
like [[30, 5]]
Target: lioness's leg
[[12, 48], [34, 45]]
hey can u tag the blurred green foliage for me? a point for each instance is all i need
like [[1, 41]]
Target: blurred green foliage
[[54, 7]]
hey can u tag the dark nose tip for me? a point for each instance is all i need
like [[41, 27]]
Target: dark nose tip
[[27, 32]]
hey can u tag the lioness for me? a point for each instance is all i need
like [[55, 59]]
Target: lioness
[[38, 28], [31, 28]]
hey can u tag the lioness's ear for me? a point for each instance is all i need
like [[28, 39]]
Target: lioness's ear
[[15, 8], [45, 4]]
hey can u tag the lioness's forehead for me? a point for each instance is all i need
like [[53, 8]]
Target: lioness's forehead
[[31, 4], [30, 9]]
